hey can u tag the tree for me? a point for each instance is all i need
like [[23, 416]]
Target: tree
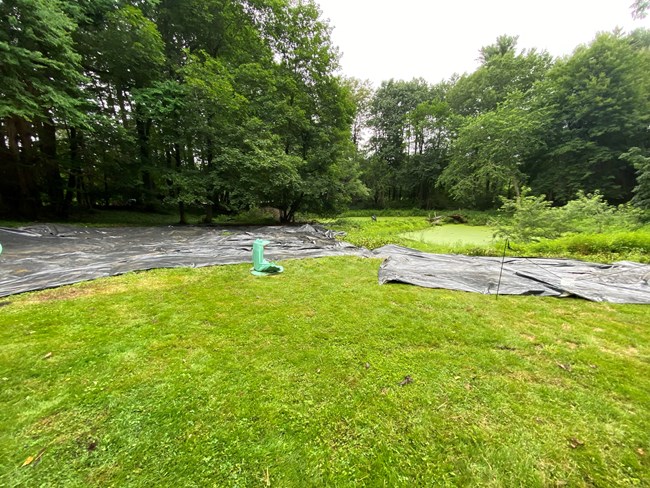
[[314, 109], [39, 78], [122, 54], [598, 107], [490, 151], [641, 163], [391, 104], [431, 127], [503, 72], [640, 9], [362, 93], [505, 44]]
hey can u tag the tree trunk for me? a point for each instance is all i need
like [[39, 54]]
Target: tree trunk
[[120, 101], [142, 127], [181, 213], [515, 184], [20, 191], [106, 194], [75, 171], [51, 169]]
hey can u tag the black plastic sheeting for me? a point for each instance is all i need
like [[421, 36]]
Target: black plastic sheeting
[[622, 282], [47, 256]]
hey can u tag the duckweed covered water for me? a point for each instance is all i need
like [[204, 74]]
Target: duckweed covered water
[[450, 234]]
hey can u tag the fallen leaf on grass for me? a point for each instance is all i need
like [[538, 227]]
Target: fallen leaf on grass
[[48, 355], [575, 443], [565, 367], [468, 387], [407, 380], [33, 460], [640, 451], [38, 457]]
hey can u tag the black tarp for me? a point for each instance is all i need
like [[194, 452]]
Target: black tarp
[[45, 256], [622, 282]]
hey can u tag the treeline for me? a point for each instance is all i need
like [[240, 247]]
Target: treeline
[[236, 104], [521, 119], [222, 103]]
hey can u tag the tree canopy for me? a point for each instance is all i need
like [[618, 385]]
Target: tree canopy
[[236, 104], [229, 104], [559, 126]]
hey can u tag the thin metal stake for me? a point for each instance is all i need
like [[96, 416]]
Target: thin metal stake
[[503, 258]]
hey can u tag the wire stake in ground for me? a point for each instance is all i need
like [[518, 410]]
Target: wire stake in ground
[[503, 258]]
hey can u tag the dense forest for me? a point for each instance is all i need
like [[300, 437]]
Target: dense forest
[[235, 104], [522, 118]]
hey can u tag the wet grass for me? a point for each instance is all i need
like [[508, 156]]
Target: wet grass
[[212, 377]]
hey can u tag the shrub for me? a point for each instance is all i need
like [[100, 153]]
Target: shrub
[[619, 245], [591, 213], [528, 218]]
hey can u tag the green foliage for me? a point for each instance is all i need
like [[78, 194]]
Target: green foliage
[[40, 68], [591, 213], [598, 107], [186, 188], [532, 218], [502, 73], [640, 9], [409, 144], [177, 94], [641, 163], [528, 218], [608, 247], [520, 118], [489, 153], [505, 45], [238, 103], [129, 50]]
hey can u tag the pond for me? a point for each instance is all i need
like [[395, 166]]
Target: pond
[[453, 234]]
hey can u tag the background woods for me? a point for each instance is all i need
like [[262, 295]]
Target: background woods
[[236, 104], [227, 104]]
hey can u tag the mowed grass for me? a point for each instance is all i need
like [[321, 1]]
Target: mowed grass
[[213, 377]]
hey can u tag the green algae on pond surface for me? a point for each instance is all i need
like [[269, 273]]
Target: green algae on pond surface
[[453, 234]]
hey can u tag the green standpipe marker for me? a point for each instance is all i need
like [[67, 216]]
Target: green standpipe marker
[[262, 267]]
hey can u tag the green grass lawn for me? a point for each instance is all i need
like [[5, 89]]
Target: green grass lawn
[[212, 377]]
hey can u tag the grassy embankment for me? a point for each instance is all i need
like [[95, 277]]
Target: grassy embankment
[[473, 239]]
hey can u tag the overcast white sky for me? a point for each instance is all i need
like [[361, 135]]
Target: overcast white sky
[[432, 39]]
